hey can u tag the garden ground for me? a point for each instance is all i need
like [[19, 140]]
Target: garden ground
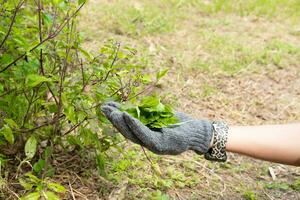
[[228, 60]]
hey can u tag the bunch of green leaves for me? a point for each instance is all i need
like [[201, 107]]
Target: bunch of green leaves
[[152, 112]]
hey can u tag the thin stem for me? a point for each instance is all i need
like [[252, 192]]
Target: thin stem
[[7, 92], [149, 88], [22, 55], [39, 4], [40, 126], [30, 101], [150, 161], [62, 76], [112, 63], [74, 127]]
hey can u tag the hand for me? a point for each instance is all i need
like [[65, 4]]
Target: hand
[[189, 134]]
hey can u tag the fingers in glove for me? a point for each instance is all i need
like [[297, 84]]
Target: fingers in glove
[[115, 116], [149, 138], [113, 104], [107, 110]]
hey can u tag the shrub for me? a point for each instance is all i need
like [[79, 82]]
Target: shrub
[[51, 88]]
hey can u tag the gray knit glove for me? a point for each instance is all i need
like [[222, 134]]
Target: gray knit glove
[[190, 134]]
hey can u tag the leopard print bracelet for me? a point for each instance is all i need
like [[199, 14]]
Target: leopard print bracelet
[[218, 150]]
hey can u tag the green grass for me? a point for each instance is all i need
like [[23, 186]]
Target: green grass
[[231, 56], [272, 9], [137, 19]]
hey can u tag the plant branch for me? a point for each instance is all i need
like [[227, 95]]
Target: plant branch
[[151, 163], [30, 102], [39, 126], [22, 55], [49, 37], [7, 92], [62, 76], [74, 127], [39, 4], [149, 88], [111, 65], [12, 22], [82, 74]]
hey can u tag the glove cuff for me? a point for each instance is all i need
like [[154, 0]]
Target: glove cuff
[[218, 150]]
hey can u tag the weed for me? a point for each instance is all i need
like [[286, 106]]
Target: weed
[[40, 188], [158, 195], [249, 195], [278, 185], [296, 185]]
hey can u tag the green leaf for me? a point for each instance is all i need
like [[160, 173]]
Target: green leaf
[[50, 106], [51, 196], [50, 172], [30, 147], [47, 18], [48, 152], [81, 115], [161, 74], [160, 107], [7, 133], [56, 2], [33, 178], [26, 185], [149, 102], [138, 112], [34, 79], [11, 123], [6, 58], [296, 185], [151, 112], [74, 140], [38, 166], [70, 113], [100, 160], [81, 1], [146, 79], [86, 54], [3, 160], [56, 187], [31, 196]]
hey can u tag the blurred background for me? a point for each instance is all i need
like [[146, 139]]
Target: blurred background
[[231, 60]]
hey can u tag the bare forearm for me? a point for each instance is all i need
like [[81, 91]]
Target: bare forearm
[[276, 143]]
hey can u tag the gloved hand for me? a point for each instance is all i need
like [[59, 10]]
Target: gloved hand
[[189, 134]]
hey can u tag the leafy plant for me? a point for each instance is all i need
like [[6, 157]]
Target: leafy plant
[[152, 112], [51, 88], [40, 188]]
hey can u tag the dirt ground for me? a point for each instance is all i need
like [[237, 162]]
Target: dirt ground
[[223, 65]]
